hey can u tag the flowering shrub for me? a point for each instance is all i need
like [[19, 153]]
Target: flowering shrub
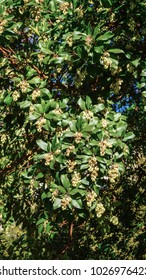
[[65, 66]]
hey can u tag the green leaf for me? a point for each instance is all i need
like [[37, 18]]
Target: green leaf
[[117, 117], [84, 166], [68, 134], [84, 158], [52, 163], [57, 203], [33, 117], [136, 62], [81, 103], [43, 196], [40, 221], [77, 192], [120, 129], [98, 108], [43, 145], [105, 36], [85, 182], [144, 94], [143, 73], [53, 116], [61, 189], [65, 181], [99, 49], [74, 191], [60, 158], [87, 127], [128, 136], [52, 6], [35, 80], [2, 7], [88, 102], [39, 108], [48, 227], [93, 143], [79, 123], [45, 91], [25, 104], [8, 99], [35, 30], [110, 3], [101, 159], [115, 51], [77, 203], [112, 141], [41, 227]]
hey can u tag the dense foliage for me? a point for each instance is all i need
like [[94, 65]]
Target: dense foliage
[[72, 99]]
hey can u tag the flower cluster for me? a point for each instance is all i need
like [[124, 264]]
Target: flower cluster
[[48, 181], [31, 109], [33, 207], [69, 150], [80, 77], [32, 189], [88, 114], [114, 220], [36, 93], [36, 15], [130, 68], [88, 41], [48, 158], [57, 111], [76, 178], [112, 17], [115, 69], [78, 137], [99, 9], [104, 123], [59, 131], [117, 85], [64, 7], [40, 57], [105, 60], [57, 152], [32, 183], [69, 41], [93, 168], [132, 24], [23, 85], [113, 173], [10, 180], [90, 198], [79, 11], [22, 8], [99, 210], [126, 149], [58, 69], [103, 145], [13, 231], [55, 194], [3, 138], [40, 123], [71, 165], [2, 25], [39, 1], [65, 202], [15, 95]]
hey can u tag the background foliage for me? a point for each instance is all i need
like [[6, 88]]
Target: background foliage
[[73, 93]]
